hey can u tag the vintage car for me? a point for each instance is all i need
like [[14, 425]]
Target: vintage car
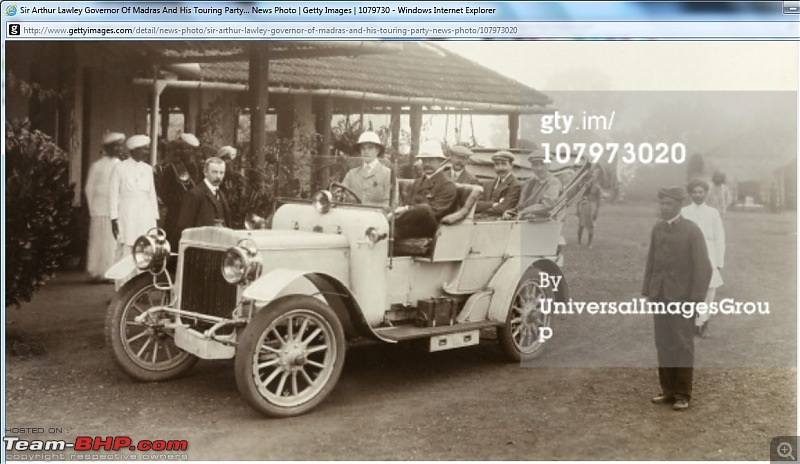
[[285, 302]]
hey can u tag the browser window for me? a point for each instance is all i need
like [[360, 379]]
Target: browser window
[[412, 230]]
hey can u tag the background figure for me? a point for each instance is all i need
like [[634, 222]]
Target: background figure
[[233, 184], [133, 205], [205, 204], [719, 195], [677, 270], [588, 208], [100, 252], [710, 223], [181, 173], [372, 180]]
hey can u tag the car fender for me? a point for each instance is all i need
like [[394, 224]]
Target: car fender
[[123, 268], [270, 286], [505, 280]]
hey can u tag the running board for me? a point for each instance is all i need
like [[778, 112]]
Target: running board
[[410, 332]]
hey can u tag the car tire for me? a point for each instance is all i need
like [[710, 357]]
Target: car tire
[[146, 354], [290, 356], [519, 336]]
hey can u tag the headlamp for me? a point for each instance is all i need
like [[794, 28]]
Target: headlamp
[[322, 201], [150, 251], [242, 263]]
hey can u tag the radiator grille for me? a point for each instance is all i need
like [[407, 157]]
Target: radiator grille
[[203, 289]]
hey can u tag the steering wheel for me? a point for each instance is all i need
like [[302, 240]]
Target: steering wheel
[[338, 190]]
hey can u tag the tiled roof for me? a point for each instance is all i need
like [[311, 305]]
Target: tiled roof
[[420, 69]]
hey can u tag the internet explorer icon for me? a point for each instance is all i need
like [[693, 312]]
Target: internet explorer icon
[[11, 10]]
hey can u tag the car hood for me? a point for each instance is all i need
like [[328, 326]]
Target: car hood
[[221, 237]]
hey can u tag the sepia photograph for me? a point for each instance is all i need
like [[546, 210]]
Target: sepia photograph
[[400, 250]]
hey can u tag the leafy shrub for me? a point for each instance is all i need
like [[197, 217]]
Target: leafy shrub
[[39, 210]]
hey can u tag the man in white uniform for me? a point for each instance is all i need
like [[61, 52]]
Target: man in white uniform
[[133, 206], [100, 253], [710, 223]]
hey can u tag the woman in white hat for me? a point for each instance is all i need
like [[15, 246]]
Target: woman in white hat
[[431, 197], [133, 206], [372, 180], [100, 252]]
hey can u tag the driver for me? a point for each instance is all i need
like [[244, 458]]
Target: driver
[[372, 180], [432, 196]]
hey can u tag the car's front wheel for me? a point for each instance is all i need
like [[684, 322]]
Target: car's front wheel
[[145, 350], [520, 337], [290, 357]]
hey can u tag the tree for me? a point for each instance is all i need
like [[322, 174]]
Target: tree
[[39, 214]]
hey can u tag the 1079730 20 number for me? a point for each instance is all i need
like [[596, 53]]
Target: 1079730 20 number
[[646, 153]]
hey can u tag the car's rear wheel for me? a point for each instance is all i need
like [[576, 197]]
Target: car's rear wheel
[[520, 336], [145, 350], [290, 357]]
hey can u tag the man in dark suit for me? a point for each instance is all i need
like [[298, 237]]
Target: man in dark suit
[[459, 158], [502, 193], [430, 198], [678, 271], [205, 204]]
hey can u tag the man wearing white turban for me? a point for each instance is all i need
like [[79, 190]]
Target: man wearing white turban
[[133, 206], [100, 252]]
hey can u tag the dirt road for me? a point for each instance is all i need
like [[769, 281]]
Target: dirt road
[[587, 398]]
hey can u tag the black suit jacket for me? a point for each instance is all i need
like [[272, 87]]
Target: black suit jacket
[[439, 192], [678, 268], [201, 208], [508, 191]]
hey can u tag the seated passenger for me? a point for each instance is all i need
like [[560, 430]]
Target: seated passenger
[[539, 193], [372, 180], [431, 197], [502, 193], [459, 157]]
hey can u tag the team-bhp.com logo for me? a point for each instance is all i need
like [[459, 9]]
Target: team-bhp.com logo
[[11, 10], [95, 444]]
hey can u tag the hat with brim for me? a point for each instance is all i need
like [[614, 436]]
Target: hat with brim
[[113, 137], [460, 151], [503, 155], [676, 193], [137, 141], [190, 139], [431, 149]]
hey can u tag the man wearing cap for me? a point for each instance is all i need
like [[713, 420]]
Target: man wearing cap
[[430, 198], [539, 193], [205, 204], [459, 157], [372, 180], [176, 178], [100, 252], [502, 193], [677, 271], [133, 206]]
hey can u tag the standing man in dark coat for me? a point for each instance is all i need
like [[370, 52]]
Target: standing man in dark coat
[[678, 271], [430, 198], [459, 158], [175, 179], [502, 193], [205, 204]]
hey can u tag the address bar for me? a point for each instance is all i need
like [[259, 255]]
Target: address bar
[[696, 30]]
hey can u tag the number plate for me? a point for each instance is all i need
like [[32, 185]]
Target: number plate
[[456, 340]]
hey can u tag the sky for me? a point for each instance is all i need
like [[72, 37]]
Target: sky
[[639, 65]]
